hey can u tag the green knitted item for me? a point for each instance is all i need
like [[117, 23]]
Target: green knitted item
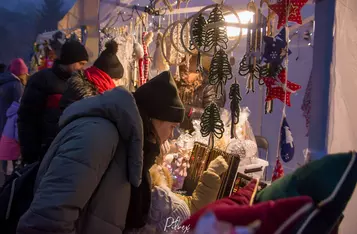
[[329, 181]]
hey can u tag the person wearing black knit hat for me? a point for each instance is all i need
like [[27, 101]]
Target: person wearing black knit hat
[[161, 110], [39, 109], [104, 75]]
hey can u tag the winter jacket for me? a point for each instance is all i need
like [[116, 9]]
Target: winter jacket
[[83, 184], [39, 112], [9, 142], [11, 90]]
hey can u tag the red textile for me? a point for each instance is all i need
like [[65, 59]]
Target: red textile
[[100, 79], [278, 170], [272, 214], [53, 100], [241, 197]]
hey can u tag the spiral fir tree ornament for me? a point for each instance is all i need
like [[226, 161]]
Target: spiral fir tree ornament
[[234, 95], [211, 124], [220, 71], [216, 37], [198, 35]]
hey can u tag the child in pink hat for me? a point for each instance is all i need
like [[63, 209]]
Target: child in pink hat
[[19, 69]]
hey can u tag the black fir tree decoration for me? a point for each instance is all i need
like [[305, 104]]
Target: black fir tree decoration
[[211, 124], [198, 36], [216, 37], [220, 71], [234, 95]]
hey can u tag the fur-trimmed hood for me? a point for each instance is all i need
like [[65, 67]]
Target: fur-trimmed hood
[[78, 87]]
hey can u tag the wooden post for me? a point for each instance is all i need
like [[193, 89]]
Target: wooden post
[[322, 60]]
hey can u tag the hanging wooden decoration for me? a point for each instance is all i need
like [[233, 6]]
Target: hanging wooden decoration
[[185, 37], [211, 124], [172, 59], [234, 95], [249, 66], [220, 71], [216, 38]]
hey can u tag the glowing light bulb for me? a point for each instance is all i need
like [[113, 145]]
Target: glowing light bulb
[[245, 17]]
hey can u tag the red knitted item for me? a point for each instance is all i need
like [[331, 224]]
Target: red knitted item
[[272, 214], [100, 79]]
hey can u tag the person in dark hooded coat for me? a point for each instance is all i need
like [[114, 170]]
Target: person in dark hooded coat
[[95, 176]]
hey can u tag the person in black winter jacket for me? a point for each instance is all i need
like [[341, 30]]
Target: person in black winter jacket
[[39, 110]]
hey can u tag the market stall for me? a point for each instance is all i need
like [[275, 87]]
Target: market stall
[[257, 56]]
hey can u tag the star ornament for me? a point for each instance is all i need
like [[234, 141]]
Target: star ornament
[[278, 90], [288, 9], [274, 50]]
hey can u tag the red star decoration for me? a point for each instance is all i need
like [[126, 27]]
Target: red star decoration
[[276, 88], [278, 170], [281, 8]]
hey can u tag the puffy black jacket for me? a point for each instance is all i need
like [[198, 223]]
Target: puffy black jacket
[[39, 112]]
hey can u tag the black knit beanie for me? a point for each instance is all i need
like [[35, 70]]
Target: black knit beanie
[[159, 98], [72, 52], [108, 61]]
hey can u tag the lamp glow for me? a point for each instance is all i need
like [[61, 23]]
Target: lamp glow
[[245, 18]]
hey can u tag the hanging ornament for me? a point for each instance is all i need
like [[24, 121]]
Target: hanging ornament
[[234, 95], [199, 37], [220, 71], [287, 148], [278, 89], [216, 37], [278, 171], [147, 39], [275, 50], [211, 124], [249, 67], [288, 9], [306, 104], [159, 63]]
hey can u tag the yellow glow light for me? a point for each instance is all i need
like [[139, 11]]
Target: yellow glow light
[[244, 16]]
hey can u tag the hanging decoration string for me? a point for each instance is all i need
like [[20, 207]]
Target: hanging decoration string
[[283, 115]]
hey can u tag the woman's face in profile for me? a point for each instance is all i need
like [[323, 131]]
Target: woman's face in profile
[[164, 129]]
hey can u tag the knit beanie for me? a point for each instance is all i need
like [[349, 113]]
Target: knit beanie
[[108, 61], [73, 52], [159, 98], [18, 67]]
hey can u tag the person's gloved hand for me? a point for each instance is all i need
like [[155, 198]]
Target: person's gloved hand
[[218, 166]]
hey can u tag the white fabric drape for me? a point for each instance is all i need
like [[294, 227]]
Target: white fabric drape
[[343, 96]]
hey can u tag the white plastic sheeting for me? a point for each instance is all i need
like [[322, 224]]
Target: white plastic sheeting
[[343, 96]]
